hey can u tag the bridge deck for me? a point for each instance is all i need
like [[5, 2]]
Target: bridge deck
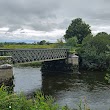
[[30, 55]]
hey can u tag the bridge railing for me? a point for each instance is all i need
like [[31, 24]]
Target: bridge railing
[[30, 55]]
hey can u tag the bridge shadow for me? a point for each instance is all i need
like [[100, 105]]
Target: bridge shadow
[[88, 81], [55, 83]]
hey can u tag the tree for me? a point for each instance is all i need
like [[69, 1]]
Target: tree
[[102, 34], [79, 29], [95, 52], [71, 42], [43, 42], [60, 43]]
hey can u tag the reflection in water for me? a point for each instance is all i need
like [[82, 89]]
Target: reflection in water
[[67, 89], [51, 84]]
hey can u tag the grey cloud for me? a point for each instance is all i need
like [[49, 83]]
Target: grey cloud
[[46, 15], [17, 13]]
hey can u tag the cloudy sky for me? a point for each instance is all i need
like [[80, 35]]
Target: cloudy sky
[[36, 20]]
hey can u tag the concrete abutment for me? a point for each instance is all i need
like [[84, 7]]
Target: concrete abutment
[[68, 65]]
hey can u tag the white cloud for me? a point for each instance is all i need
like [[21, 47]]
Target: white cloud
[[101, 28], [26, 35], [3, 30]]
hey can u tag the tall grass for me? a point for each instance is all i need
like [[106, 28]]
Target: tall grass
[[15, 46], [31, 64], [15, 101]]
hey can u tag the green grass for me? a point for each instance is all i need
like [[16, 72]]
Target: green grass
[[31, 64], [15, 46], [15, 101], [3, 58]]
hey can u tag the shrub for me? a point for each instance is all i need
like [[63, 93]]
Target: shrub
[[15, 101]]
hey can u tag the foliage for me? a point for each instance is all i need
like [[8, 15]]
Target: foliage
[[43, 42], [3, 58], [95, 52], [71, 42], [23, 46], [1, 44], [83, 105], [107, 77], [32, 64], [79, 29], [59, 43], [102, 34], [14, 101]]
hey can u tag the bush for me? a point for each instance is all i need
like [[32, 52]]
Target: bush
[[20, 102], [95, 52]]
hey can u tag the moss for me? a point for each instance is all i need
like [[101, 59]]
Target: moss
[[3, 58]]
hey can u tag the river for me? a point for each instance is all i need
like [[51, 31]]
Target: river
[[68, 89]]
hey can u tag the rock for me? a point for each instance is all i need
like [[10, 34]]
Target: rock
[[5, 66]]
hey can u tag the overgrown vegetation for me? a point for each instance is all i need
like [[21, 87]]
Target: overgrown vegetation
[[13, 101], [32, 64], [23, 46], [3, 58], [20, 102], [93, 51]]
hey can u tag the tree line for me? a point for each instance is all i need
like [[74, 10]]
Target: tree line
[[93, 50]]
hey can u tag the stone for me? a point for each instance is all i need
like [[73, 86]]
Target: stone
[[5, 66], [73, 59]]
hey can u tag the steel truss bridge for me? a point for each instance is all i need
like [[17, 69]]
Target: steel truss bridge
[[31, 55]]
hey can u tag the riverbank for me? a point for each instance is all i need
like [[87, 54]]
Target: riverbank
[[40, 101], [31, 64], [20, 102], [67, 89]]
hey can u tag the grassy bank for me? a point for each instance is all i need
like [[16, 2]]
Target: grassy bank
[[20, 102], [31, 64], [13, 101]]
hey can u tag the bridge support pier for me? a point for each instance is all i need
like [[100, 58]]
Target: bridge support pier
[[6, 74], [63, 66]]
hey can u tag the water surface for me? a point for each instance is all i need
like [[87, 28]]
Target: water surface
[[90, 87]]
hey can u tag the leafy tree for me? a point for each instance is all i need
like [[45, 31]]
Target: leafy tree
[[43, 42], [79, 29], [59, 43], [72, 42], [102, 34], [48, 43], [1, 44], [95, 52]]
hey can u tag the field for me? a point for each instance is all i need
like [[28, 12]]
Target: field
[[24, 46]]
